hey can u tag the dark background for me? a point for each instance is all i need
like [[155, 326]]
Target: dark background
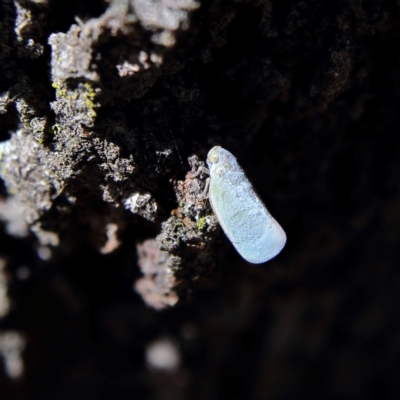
[[307, 96]]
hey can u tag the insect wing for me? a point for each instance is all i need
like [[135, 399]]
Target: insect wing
[[249, 226]]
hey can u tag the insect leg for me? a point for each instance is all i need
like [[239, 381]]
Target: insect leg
[[198, 172], [206, 187]]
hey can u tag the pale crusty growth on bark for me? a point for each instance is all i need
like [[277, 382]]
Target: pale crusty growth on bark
[[101, 104], [72, 149], [93, 133], [125, 100], [185, 250]]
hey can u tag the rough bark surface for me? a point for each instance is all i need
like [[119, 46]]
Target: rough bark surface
[[115, 280]]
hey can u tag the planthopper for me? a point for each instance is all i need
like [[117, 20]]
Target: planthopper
[[242, 215]]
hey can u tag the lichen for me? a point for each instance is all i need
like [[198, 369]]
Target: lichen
[[55, 129], [201, 223]]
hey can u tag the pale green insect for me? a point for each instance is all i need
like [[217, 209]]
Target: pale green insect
[[242, 215]]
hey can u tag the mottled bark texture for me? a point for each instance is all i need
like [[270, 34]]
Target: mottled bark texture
[[101, 105]]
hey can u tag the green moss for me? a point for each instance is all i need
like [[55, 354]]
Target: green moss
[[177, 224], [201, 223], [55, 129], [87, 92], [90, 91], [89, 95], [89, 103], [60, 91], [39, 128]]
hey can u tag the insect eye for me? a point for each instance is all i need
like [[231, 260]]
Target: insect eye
[[213, 158]]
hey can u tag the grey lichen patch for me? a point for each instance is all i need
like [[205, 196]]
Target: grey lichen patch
[[26, 170], [157, 286], [12, 344], [75, 105], [186, 247], [26, 97], [31, 19], [72, 53], [138, 63], [105, 226], [72, 148], [192, 224], [183, 254], [22, 28], [164, 18], [46, 237], [143, 205], [40, 128], [12, 216], [4, 101]]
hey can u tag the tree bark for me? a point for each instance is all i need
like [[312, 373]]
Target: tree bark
[[115, 278]]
